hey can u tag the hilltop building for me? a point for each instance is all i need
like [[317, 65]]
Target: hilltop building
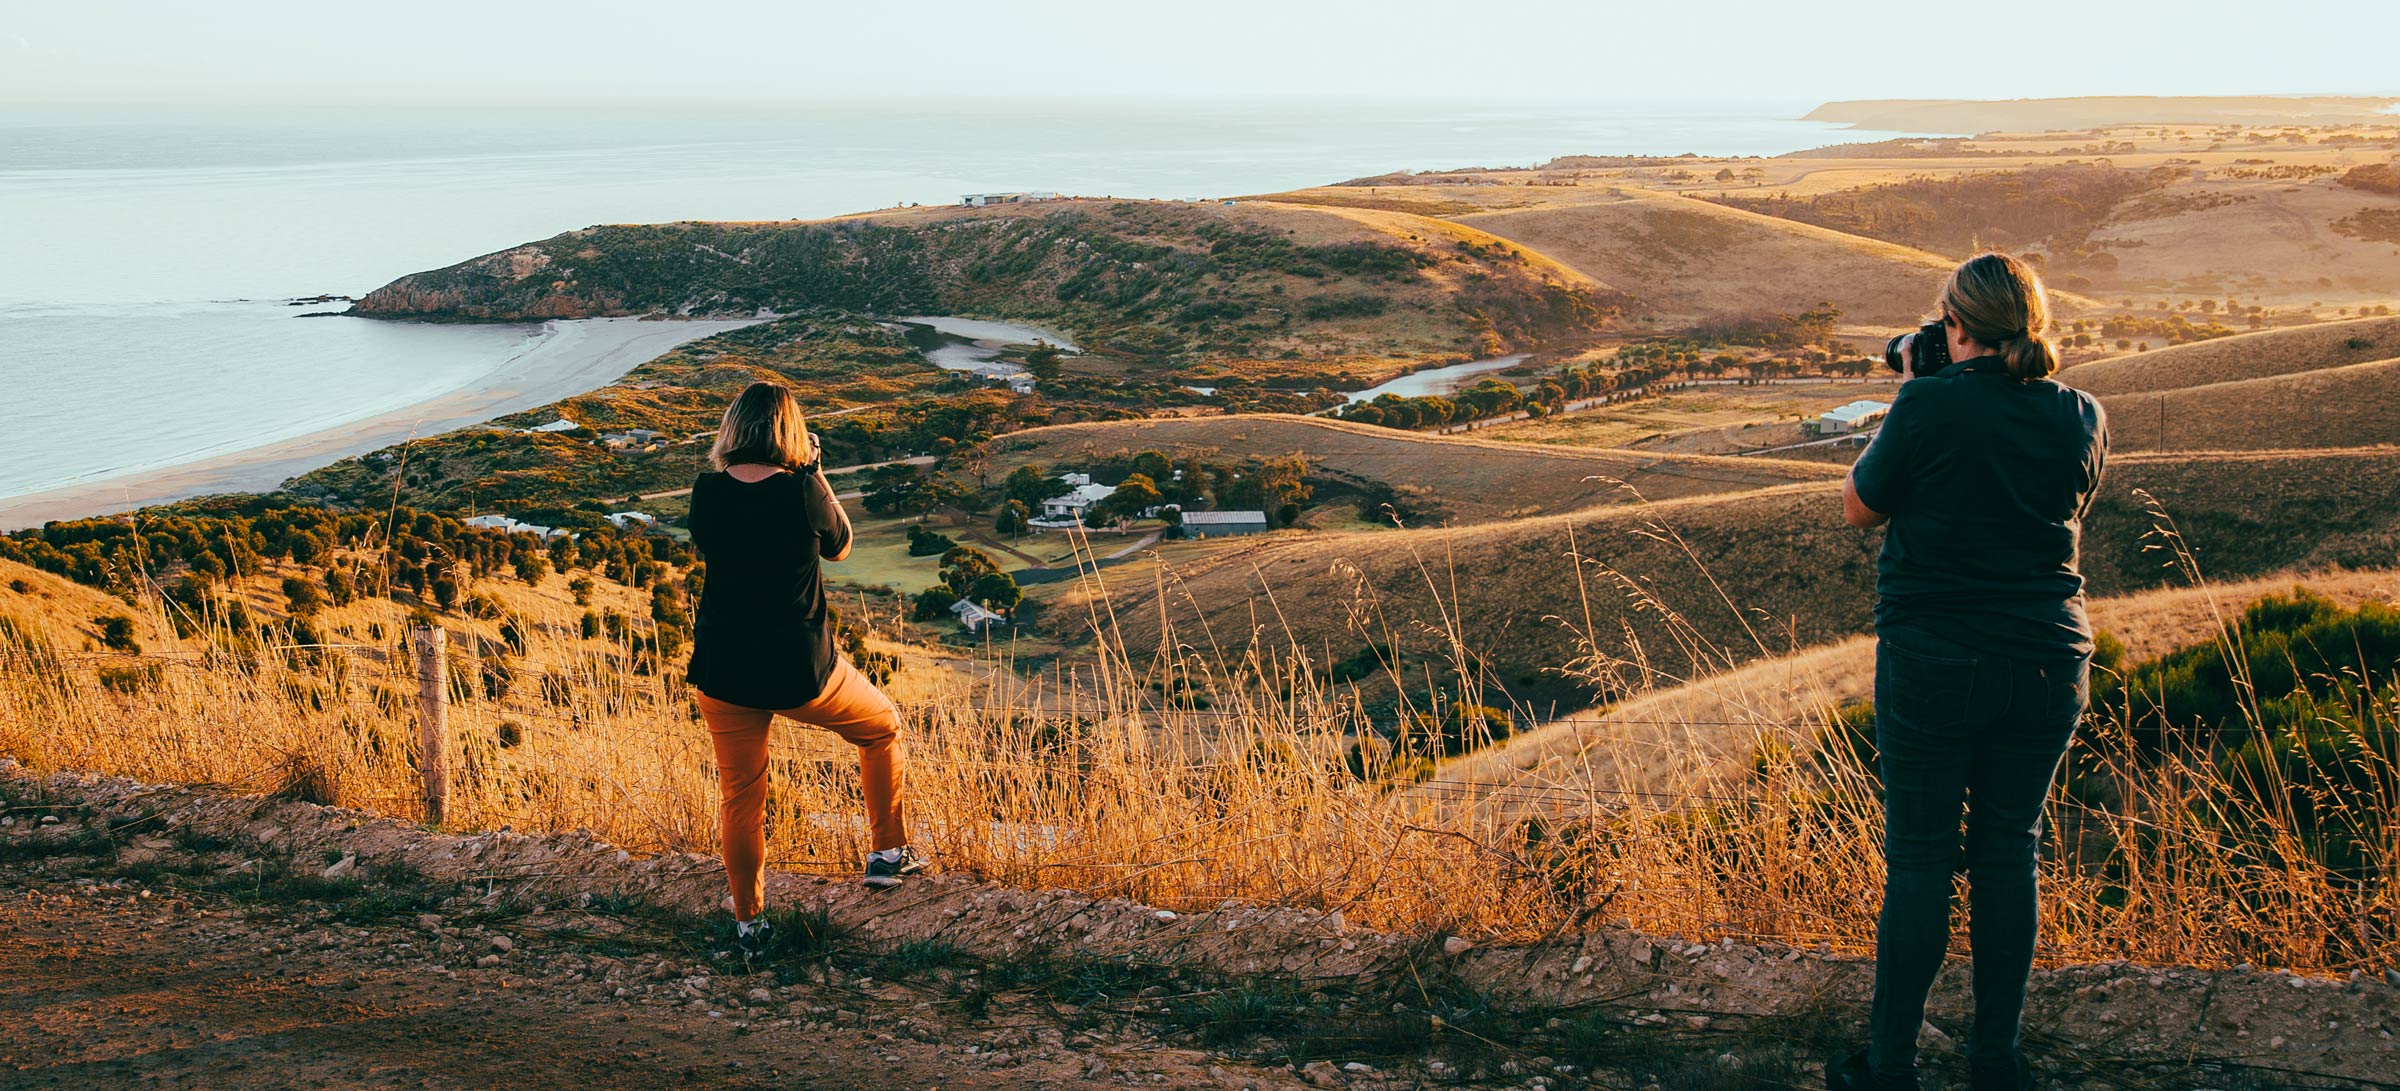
[[562, 424], [980, 200], [1223, 524], [622, 519], [1851, 417]]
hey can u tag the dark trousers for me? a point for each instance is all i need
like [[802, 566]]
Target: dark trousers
[[1961, 730]]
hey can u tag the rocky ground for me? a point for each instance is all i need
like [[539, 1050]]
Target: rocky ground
[[147, 945]]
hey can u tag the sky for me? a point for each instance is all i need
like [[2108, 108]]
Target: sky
[[73, 51]]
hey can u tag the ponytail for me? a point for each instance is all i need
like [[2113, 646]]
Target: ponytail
[[2030, 356], [1998, 301]]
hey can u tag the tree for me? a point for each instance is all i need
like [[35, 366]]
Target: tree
[[931, 603], [962, 566], [1813, 326], [1013, 517], [1042, 360], [1029, 486], [1137, 494], [1153, 465], [997, 591]]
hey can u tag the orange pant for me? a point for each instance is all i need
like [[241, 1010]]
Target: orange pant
[[849, 706]]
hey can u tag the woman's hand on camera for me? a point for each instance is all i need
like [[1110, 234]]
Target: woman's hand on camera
[[1908, 356]]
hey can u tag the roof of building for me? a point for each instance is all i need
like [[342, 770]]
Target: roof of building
[[562, 424], [1083, 496], [1222, 518], [1858, 411]]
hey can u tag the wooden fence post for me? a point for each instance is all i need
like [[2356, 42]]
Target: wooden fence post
[[433, 718]]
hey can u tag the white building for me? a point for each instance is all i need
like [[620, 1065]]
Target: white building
[[1851, 417], [622, 519], [974, 615], [1223, 524], [505, 524], [562, 424], [632, 437], [979, 200], [1070, 509]]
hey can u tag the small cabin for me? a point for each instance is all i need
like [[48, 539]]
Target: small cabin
[[974, 615]]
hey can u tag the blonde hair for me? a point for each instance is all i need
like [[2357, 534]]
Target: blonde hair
[[1998, 301], [763, 426]]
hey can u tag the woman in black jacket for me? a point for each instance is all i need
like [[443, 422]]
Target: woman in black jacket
[[1984, 471]]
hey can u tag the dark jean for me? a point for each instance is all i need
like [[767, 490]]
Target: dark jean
[[1959, 729]]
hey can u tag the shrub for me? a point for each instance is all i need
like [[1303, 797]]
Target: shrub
[[116, 634]]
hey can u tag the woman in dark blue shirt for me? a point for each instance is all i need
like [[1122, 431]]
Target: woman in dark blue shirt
[[1984, 471]]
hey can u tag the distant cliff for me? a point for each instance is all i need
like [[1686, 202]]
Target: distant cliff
[[2043, 114]]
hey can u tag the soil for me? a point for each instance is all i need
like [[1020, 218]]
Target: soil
[[114, 982]]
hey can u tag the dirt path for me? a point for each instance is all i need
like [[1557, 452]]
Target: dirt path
[[108, 983]]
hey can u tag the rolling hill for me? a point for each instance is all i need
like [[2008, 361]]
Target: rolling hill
[[1699, 735], [2352, 406], [2242, 356], [1689, 261], [1682, 587], [1458, 472]]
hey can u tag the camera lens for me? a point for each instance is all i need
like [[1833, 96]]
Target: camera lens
[[1891, 352]]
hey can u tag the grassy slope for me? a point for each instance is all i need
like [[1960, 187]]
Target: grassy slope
[[1767, 571], [1477, 480], [2353, 406], [2242, 356], [1711, 726], [1687, 260]]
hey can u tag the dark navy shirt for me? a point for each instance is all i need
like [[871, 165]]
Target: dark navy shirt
[[1987, 479], [762, 636]]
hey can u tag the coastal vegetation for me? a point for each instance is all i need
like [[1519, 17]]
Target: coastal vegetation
[[1158, 283]]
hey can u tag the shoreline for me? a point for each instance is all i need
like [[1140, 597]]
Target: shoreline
[[581, 356]]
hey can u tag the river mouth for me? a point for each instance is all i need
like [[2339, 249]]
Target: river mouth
[[973, 344], [1437, 380]]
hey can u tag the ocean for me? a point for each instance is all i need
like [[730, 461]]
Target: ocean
[[147, 255]]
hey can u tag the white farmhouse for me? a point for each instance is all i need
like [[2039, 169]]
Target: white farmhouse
[[621, 519], [1851, 417], [562, 424], [974, 615]]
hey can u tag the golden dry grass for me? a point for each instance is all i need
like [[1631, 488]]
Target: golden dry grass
[[1688, 260], [2243, 356], [1700, 736], [1476, 480], [1101, 787], [2356, 406], [1703, 583]]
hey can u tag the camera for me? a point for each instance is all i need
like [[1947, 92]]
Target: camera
[[1932, 349]]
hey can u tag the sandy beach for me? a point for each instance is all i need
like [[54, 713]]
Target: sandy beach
[[579, 356]]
